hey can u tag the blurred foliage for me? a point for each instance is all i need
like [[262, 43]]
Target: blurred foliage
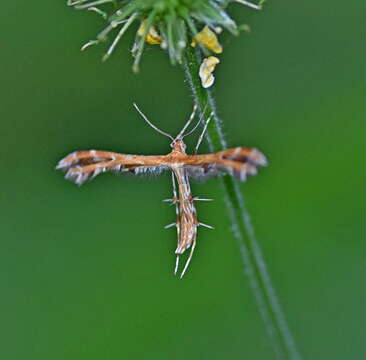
[[86, 272], [170, 23]]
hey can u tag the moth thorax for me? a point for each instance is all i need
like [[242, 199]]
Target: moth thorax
[[179, 146]]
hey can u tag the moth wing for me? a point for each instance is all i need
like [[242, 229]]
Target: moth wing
[[203, 172], [239, 162], [85, 165], [145, 170]]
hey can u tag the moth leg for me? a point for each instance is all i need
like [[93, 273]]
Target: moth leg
[[192, 116], [176, 265], [206, 226], [189, 259], [203, 133], [173, 201], [175, 197]]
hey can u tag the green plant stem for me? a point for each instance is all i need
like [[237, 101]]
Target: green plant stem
[[266, 299]]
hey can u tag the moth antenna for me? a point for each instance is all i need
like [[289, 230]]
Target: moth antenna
[[151, 124], [188, 260], [203, 133]]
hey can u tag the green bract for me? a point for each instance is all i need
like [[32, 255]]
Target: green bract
[[175, 22]]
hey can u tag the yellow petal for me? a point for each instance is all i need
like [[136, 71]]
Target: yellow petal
[[208, 39], [206, 71], [152, 37]]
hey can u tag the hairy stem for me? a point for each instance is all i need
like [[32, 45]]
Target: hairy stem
[[278, 331]]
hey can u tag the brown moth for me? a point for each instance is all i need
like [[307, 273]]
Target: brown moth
[[240, 162]]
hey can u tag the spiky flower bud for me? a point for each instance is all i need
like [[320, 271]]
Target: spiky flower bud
[[173, 24]]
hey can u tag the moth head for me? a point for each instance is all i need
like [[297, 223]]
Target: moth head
[[178, 145]]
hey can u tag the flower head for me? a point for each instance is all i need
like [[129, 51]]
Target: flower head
[[173, 24]]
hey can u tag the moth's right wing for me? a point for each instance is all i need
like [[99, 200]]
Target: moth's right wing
[[239, 162], [84, 165]]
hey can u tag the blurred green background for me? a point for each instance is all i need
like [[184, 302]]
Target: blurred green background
[[86, 273]]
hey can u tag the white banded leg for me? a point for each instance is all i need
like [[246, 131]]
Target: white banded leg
[[175, 201], [206, 226], [203, 133], [176, 265], [189, 259], [193, 114], [175, 196]]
